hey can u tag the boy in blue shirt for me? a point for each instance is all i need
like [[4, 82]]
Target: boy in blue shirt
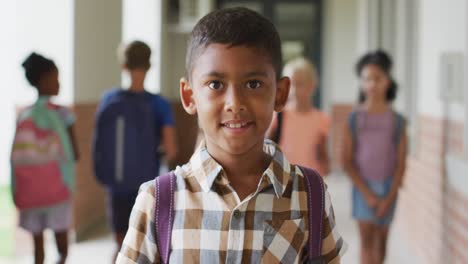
[[135, 59]]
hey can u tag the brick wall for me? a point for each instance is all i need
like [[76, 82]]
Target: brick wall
[[430, 214], [456, 227], [456, 205], [90, 199]]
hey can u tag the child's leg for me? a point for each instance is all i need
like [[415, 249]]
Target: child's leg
[[120, 210], [381, 236], [38, 248], [367, 233], [61, 238]]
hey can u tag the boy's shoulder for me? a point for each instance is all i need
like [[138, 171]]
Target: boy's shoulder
[[118, 91], [111, 93], [158, 98], [161, 104], [147, 188]]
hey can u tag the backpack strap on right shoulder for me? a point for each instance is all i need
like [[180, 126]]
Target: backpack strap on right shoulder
[[164, 213], [315, 207], [399, 126]]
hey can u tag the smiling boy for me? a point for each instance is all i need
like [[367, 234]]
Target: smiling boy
[[238, 199]]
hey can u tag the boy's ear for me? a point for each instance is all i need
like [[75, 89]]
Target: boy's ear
[[282, 93], [186, 96]]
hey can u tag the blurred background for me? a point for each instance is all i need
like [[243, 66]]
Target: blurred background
[[427, 39]]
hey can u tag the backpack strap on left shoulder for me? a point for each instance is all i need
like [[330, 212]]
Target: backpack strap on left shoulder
[[315, 207], [164, 213]]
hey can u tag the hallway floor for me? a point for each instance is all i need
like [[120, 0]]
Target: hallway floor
[[339, 187], [100, 250]]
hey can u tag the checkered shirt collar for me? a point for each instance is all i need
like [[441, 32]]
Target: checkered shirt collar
[[208, 170]]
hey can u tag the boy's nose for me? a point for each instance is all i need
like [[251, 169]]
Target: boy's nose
[[234, 100]]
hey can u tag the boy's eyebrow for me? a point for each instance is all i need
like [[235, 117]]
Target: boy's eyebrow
[[247, 75], [215, 74], [256, 74]]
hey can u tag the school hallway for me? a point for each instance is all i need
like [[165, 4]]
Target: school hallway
[[100, 249], [428, 41]]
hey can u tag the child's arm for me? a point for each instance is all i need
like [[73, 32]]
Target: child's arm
[[169, 142], [399, 173], [347, 157], [139, 244], [324, 158], [323, 155], [71, 134]]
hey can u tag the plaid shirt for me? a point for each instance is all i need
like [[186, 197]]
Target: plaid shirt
[[212, 225]]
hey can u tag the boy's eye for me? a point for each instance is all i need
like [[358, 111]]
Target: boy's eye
[[215, 85], [253, 84]]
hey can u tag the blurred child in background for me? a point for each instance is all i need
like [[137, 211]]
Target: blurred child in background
[[302, 130], [374, 153], [43, 158], [134, 131]]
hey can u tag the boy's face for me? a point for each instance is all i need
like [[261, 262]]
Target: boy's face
[[234, 91]]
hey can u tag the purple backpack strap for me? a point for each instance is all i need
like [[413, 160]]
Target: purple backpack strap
[[164, 213], [315, 205]]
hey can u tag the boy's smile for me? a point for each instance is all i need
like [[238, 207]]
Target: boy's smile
[[234, 91]]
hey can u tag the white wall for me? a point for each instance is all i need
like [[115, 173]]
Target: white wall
[[45, 27], [141, 20], [174, 36], [97, 34], [340, 51], [443, 29], [175, 64]]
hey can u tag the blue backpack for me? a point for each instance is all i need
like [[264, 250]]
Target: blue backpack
[[125, 151]]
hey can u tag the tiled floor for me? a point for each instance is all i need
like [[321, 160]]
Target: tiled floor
[[100, 250]]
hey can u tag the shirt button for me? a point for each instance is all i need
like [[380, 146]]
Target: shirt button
[[237, 214]]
